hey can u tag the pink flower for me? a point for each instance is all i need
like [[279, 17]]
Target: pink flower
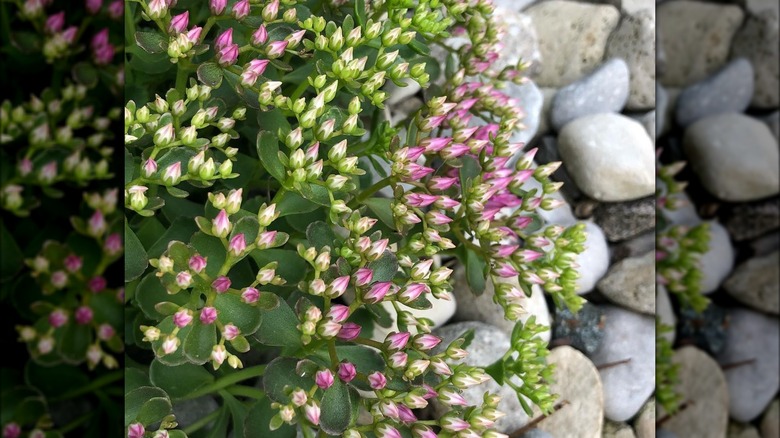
[[505, 270], [197, 263], [377, 380], [377, 249], [295, 38], [250, 295], [83, 315], [221, 284], [224, 39], [377, 292], [338, 286], [363, 276], [504, 251], [12, 430], [260, 36], [69, 36], [179, 23], [435, 144], [420, 199], [454, 151], [182, 318], [58, 318], [323, 379], [426, 342], [217, 6], [96, 224], [230, 332], [349, 331], [72, 263], [96, 284], [116, 9], [105, 332], [100, 39], [208, 315], [431, 392], [241, 9], [237, 245], [528, 255], [59, 279], [347, 372], [397, 341], [136, 430], [312, 413], [413, 291], [113, 244], [228, 55], [221, 225], [417, 172], [406, 415], [441, 183], [276, 48], [385, 430], [397, 359], [338, 313], [266, 239], [55, 22], [436, 218], [93, 6], [523, 221], [454, 424], [193, 35]]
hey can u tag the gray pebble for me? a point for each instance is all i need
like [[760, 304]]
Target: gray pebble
[[728, 90]]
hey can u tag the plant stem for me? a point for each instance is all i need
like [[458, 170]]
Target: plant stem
[[76, 423], [369, 342], [230, 379], [246, 391], [92, 386], [371, 190]]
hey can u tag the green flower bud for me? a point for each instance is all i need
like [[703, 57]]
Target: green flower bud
[[354, 105], [207, 169], [336, 41], [193, 93], [143, 114], [226, 168], [188, 135]]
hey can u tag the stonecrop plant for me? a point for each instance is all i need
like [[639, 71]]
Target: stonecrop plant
[[277, 219], [61, 231]]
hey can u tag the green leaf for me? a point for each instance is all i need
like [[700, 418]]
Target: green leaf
[[279, 327], [150, 292], [293, 203], [230, 309], [12, 260], [281, 377], [151, 42], [181, 230], [468, 171], [381, 208], [320, 234], [75, 342], [179, 381], [360, 11], [384, 267], [211, 247], [259, 417], [136, 259], [210, 74], [146, 403], [496, 371], [85, 74], [336, 409], [267, 150], [199, 343], [475, 272], [248, 226], [291, 266], [177, 357]]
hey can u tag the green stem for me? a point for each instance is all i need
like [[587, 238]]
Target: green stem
[[230, 379], [369, 342], [198, 425], [92, 386], [371, 190], [76, 423], [246, 391]]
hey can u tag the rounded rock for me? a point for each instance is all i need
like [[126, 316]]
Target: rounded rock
[[728, 90], [594, 261], [735, 157], [644, 423], [605, 90], [756, 283], [757, 41], [770, 424], [609, 156], [634, 41], [718, 260], [630, 283]]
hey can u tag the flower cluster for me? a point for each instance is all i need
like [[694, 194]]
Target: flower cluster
[[80, 304], [322, 223]]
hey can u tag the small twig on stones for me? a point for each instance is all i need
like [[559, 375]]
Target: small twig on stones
[[613, 364], [733, 365], [537, 420], [684, 405]]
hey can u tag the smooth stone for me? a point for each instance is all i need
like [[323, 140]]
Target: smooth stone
[[757, 6], [572, 38], [489, 344], [672, 94], [756, 283], [751, 336], [741, 430], [706, 330], [516, 5], [634, 6], [750, 220], [626, 220], [765, 245], [773, 121], [632, 248], [627, 335], [728, 90], [548, 95], [631, 283], [718, 260], [530, 99], [482, 308], [662, 109], [594, 261], [685, 212], [609, 156], [644, 423], [757, 41], [577, 381], [648, 121], [663, 433], [535, 433], [735, 157], [520, 41], [696, 38], [770, 423], [583, 330], [665, 312], [701, 381], [604, 90], [614, 429], [634, 41]]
